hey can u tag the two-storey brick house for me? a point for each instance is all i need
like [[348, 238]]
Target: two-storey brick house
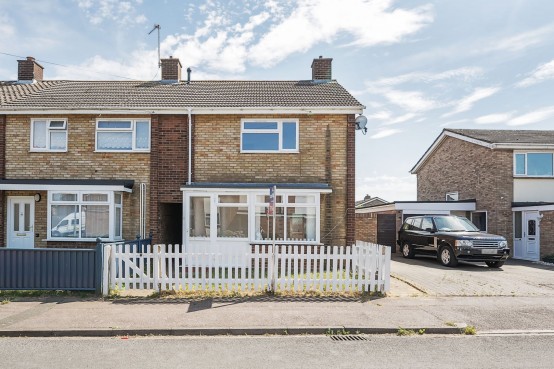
[[509, 174], [190, 161]]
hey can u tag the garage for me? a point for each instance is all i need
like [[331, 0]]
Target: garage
[[380, 224]]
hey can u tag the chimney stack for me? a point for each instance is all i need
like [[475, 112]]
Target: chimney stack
[[321, 69], [171, 69], [29, 71]]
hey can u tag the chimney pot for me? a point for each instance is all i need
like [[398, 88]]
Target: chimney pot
[[321, 69], [29, 71]]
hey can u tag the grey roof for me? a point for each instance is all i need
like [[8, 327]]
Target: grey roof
[[495, 136], [93, 95], [367, 203]]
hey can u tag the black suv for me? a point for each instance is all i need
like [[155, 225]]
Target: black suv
[[451, 238]]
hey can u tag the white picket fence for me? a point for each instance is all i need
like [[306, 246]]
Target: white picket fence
[[294, 268]]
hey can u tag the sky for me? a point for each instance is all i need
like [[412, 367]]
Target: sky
[[418, 66]]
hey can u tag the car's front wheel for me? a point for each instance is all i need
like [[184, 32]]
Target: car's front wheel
[[408, 250], [494, 264], [446, 257]]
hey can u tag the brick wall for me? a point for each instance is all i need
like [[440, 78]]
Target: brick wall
[[79, 162], [169, 165], [366, 227], [351, 181], [547, 233], [475, 172], [322, 159], [2, 175]]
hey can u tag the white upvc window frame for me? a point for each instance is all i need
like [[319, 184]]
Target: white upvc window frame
[[278, 130], [80, 202], [132, 129], [251, 204], [525, 153], [49, 129]]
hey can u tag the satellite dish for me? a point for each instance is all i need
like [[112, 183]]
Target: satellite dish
[[361, 122]]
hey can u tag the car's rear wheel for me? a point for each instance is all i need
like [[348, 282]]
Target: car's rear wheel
[[408, 250], [446, 257], [494, 264]]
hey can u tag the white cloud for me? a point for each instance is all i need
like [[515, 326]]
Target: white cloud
[[521, 41], [494, 118], [389, 188], [402, 118], [124, 12], [382, 133], [467, 102], [313, 22], [533, 117], [453, 122], [413, 101], [542, 73], [464, 73], [7, 29]]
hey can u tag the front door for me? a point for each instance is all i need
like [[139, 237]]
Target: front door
[[21, 222], [531, 235]]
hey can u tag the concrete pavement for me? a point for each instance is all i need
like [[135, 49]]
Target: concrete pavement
[[409, 305]]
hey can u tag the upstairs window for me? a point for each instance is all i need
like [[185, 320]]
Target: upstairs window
[[269, 136], [539, 164], [49, 135], [123, 135]]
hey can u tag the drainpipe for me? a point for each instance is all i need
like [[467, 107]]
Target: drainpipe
[[190, 146]]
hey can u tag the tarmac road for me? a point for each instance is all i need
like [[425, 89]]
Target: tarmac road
[[380, 351]]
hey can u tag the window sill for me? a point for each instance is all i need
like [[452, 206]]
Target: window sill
[[75, 240], [124, 151], [59, 151], [270, 152]]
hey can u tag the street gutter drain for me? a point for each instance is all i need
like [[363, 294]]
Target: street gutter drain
[[348, 337]]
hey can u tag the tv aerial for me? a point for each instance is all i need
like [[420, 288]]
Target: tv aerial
[[157, 26]]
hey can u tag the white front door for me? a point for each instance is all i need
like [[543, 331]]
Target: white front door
[[531, 235], [21, 222]]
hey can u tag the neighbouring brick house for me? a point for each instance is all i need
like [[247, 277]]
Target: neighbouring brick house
[[509, 174], [190, 161]]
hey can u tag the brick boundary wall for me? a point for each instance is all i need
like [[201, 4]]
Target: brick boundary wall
[[366, 227]]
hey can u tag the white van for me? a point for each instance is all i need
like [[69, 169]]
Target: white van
[[69, 226]]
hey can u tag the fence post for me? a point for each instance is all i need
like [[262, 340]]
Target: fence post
[[99, 270], [106, 270]]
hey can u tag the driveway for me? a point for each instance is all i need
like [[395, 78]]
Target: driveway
[[515, 278]]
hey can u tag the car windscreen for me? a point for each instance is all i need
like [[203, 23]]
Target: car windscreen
[[454, 224]]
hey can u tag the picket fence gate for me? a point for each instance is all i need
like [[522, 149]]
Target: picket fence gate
[[364, 267]]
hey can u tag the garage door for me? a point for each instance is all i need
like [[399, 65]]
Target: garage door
[[386, 230]]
